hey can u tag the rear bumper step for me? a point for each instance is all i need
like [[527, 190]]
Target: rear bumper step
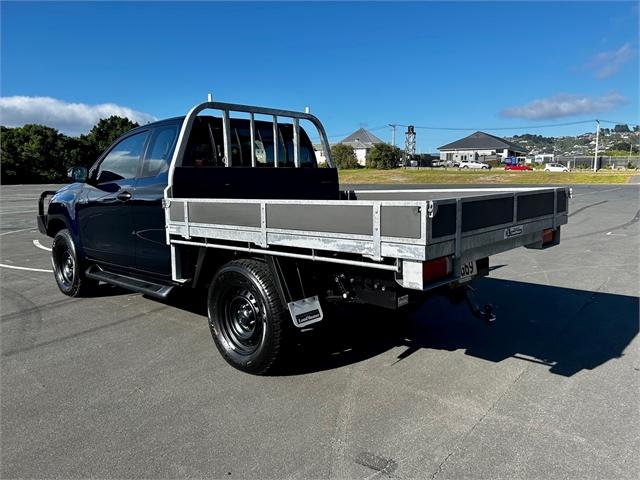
[[146, 287]]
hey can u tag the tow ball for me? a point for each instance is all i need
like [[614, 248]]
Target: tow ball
[[485, 313]]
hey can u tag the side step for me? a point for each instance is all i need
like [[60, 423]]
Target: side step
[[146, 287]]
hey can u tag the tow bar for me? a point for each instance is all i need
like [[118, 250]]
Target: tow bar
[[486, 313]]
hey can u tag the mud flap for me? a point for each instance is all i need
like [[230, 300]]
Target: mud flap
[[306, 311]]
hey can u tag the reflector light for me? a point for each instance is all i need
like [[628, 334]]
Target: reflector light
[[548, 236], [437, 268]]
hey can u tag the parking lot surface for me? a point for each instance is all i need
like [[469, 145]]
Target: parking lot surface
[[124, 386]]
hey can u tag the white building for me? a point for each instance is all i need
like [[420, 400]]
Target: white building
[[317, 149], [544, 158], [481, 147], [361, 140]]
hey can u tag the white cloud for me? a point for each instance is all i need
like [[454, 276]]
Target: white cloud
[[565, 105], [606, 64], [69, 118]]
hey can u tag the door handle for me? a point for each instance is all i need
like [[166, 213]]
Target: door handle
[[124, 196]]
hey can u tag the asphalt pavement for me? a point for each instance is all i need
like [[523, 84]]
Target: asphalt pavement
[[124, 386]]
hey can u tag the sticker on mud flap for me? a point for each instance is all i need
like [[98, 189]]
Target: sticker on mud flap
[[306, 311], [513, 231]]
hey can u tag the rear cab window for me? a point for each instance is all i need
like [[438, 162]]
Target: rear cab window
[[205, 147]]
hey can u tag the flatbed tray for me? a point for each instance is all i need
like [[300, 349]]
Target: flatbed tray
[[382, 225]]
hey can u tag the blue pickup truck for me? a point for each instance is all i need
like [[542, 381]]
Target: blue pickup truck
[[236, 205]]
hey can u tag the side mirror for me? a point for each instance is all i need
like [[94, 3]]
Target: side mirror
[[78, 174]]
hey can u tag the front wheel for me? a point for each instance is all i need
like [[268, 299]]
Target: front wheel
[[246, 316], [67, 269]]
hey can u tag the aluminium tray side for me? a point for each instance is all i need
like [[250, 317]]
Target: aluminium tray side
[[401, 229], [369, 228]]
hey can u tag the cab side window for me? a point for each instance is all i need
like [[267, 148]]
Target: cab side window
[[123, 160], [160, 151]]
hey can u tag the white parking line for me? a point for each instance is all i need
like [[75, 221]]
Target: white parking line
[[15, 267], [20, 211], [37, 244], [15, 231]]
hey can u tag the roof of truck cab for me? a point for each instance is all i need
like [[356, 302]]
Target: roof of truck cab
[[157, 123], [166, 120], [179, 120]]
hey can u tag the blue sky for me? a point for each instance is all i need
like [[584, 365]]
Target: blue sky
[[365, 64]]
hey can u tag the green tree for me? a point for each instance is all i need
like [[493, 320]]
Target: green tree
[[39, 154], [344, 156], [621, 146], [77, 151], [31, 154], [106, 131], [384, 156], [621, 128]]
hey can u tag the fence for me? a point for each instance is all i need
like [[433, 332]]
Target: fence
[[572, 162], [604, 162]]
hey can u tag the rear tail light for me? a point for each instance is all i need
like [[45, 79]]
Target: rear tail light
[[436, 268], [548, 236]]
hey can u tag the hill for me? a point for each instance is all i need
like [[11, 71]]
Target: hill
[[617, 140]]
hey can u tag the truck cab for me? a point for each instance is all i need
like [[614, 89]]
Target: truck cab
[[113, 210]]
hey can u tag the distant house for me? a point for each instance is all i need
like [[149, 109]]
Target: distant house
[[362, 141], [480, 146]]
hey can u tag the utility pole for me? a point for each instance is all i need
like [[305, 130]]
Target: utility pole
[[595, 156], [393, 133]]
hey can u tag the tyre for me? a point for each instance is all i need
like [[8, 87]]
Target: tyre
[[67, 268], [246, 316]]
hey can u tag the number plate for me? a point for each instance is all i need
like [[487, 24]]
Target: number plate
[[468, 270]]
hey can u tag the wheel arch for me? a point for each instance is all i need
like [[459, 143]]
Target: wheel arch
[[55, 224]]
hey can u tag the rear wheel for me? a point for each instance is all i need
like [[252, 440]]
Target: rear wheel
[[67, 268], [246, 316]]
